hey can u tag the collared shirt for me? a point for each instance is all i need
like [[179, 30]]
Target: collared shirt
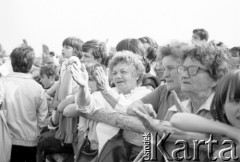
[[105, 131], [203, 111], [26, 105]]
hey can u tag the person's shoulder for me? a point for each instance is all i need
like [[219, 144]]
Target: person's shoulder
[[37, 86], [162, 89], [142, 89]]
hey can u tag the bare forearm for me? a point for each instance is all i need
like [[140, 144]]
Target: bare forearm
[[55, 118], [110, 96], [51, 91], [83, 97], [195, 123]]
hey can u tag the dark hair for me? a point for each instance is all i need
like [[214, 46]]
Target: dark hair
[[202, 33], [135, 46], [235, 50], [99, 49], [51, 53], [152, 49], [150, 80], [76, 44], [212, 57], [227, 87], [22, 59], [49, 70]]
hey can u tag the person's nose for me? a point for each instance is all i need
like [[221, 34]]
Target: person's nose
[[118, 75], [82, 59], [184, 74]]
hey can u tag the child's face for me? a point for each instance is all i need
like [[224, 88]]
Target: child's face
[[47, 82], [232, 110], [67, 51]]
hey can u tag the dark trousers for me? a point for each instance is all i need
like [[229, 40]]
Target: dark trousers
[[48, 144], [23, 154]]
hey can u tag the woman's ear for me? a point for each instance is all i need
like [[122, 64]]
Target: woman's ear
[[137, 77]]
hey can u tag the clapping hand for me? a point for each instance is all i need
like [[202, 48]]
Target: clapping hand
[[102, 79], [79, 74]]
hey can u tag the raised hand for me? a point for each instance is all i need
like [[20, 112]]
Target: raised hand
[[102, 79], [79, 74]]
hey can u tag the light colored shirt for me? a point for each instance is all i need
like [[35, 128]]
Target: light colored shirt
[[97, 101], [26, 105], [203, 111]]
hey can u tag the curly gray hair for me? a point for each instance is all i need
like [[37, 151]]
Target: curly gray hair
[[129, 58], [212, 57]]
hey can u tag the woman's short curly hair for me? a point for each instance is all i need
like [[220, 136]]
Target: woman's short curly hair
[[212, 57], [129, 58], [173, 49]]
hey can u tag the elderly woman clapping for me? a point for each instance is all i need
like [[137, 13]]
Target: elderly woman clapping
[[127, 71]]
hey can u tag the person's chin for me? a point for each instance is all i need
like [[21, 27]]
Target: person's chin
[[170, 87]]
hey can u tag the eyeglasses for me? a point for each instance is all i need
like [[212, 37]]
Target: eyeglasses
[[192, 70]]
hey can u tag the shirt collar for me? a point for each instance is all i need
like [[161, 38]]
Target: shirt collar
[[20, 75], [205, 106], [187, 106]]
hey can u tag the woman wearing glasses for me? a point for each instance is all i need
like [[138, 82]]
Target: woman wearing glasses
[[203, 65], [161, 98]]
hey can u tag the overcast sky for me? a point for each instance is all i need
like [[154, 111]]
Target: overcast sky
[[51, 21]]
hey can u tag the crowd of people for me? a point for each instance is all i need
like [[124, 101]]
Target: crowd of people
[[45, 107]]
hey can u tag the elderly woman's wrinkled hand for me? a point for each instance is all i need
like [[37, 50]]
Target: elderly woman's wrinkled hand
[[102, 79], [79, 74], [147, 121], [144, 108], [154, 125]]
